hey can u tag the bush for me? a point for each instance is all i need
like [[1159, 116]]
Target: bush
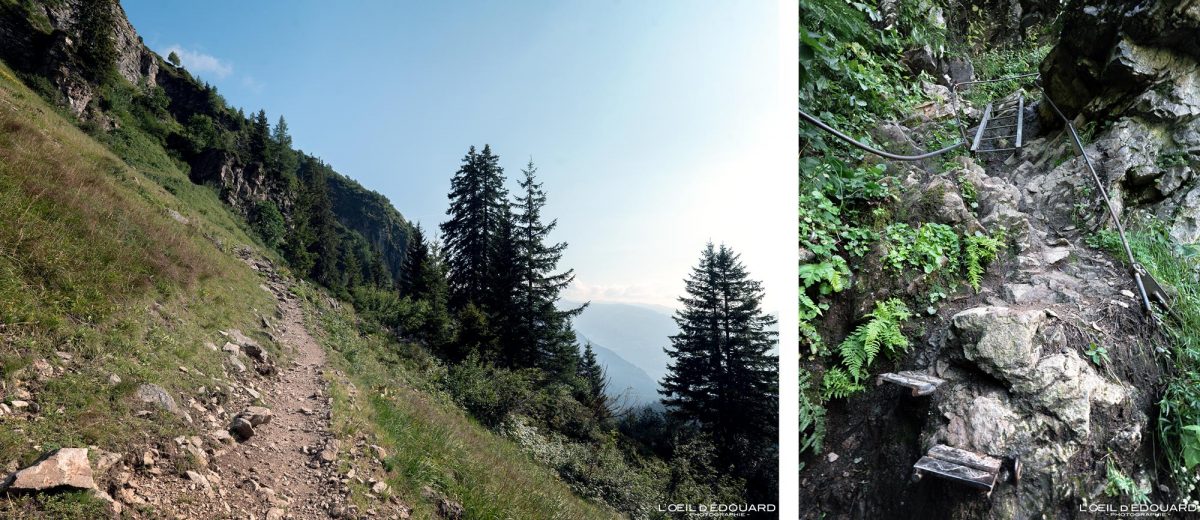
[[489, 393], [601, 471], [268, 223]]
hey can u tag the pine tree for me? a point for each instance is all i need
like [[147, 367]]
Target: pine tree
[[477, 210], [596, 380], [541, 334], [723, 374], [283, 158]]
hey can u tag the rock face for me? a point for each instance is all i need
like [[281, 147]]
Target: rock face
[[42, 39], [65, 468], [1136, 67]]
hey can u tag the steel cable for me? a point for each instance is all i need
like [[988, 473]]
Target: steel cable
[[821, 124]]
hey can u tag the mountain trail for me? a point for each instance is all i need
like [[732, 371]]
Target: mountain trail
[[283, 462], [286, 468]]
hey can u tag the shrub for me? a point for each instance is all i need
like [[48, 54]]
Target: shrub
[[487, 392], [268, 223]]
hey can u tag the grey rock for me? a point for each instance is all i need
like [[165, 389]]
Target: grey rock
[[158, 396], [64, 468]]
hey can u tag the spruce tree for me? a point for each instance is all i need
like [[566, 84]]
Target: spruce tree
[[722, 374], [259, 140], [477, 211], [596, 381], [542, 334], [434, 290], [416, 256], [320, 225], [283, 158]]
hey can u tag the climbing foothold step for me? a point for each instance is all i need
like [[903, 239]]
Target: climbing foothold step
[[972, 469], [920, 382]]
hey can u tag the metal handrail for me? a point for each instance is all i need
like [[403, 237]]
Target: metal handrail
[[821, 124]]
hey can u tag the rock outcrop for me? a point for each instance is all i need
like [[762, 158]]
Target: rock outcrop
[[1133, 70]]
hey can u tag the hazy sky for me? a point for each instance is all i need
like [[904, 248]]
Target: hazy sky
[[656, 126]]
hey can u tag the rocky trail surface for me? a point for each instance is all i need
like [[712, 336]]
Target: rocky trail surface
[[1020, 382], [275, 460], [263, 449]]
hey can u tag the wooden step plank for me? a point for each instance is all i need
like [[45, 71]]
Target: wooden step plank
[[965, 458], [919, 383], [963, 474], [936, 381], [918, 386]]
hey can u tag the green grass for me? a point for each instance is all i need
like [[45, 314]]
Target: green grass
[[1175, 266], [93, 265], [430, 440]]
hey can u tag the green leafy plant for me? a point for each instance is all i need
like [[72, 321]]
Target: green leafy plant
[[928, 248], [1172, 158], [812, 416], [969, 194], [978, 251], [880, 334], [1098, 354], [1121, 484], [839, 384]]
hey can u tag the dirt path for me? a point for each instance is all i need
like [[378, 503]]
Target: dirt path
[[286, 469], [281, 469]]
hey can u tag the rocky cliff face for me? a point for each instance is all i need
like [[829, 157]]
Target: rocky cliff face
[[42, 40], [1133, 69]]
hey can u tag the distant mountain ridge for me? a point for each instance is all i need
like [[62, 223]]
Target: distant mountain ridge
[[629, 340], [628, 385]]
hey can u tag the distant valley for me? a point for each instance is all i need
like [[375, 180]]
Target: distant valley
[[629, 340]]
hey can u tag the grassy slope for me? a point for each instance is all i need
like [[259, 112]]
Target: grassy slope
[[93, 264], [389, 397]]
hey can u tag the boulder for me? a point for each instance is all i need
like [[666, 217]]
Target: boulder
[[241, 429], [64, 468], [256, 415], [157, 396]]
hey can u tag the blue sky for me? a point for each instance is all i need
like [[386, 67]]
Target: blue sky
[[656, 126]]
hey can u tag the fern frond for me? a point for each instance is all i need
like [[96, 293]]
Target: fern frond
[[837, 384]]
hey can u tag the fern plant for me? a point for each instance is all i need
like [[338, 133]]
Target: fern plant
[[838, 384], [881, 334], [812, 417], [980, 250]]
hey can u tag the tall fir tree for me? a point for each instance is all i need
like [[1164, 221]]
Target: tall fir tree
[[542, 333], [283, 159], [596, 381], [722, 374], [437, 327], [478, 208], [259, 140], [416, 256], [320, 225]]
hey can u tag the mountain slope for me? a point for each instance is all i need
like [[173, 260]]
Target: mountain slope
[[115, 277], [628, 385], [636, 333]]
